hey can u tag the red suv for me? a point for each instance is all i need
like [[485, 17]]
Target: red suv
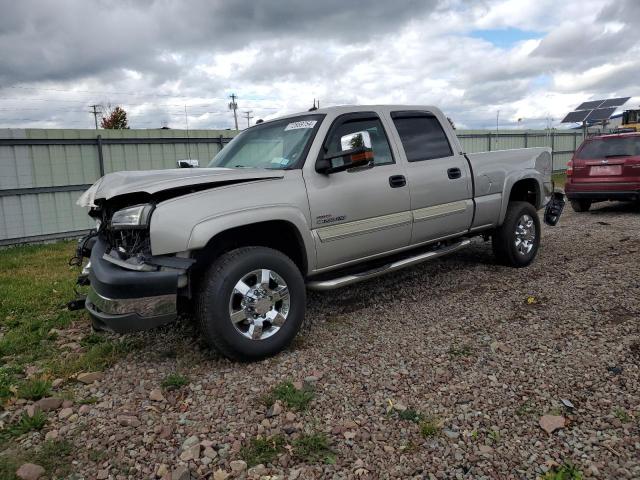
[[604, 168]]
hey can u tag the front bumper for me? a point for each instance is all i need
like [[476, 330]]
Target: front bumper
[[124, 301]]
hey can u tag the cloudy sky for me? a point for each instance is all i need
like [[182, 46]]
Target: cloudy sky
[[534, 60]]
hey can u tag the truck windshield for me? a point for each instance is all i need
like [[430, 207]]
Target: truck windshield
[[277, 145], [610, 147]]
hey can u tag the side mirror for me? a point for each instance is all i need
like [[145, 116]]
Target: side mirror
[[356, 152], [188, 163]]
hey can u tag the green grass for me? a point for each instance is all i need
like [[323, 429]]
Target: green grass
[[34, 389], [411, 415], [559, 178], [53, 455], [563, 472], [429, 428], [35, 284], [23, 425], [622, 415], [290, 396], [262, 450], [460, 350], [313, 448], [174, 381], [97, 455]]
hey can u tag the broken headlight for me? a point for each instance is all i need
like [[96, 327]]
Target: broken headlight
[[132, 217]]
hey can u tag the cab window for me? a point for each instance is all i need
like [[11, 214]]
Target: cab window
[[379, 142]]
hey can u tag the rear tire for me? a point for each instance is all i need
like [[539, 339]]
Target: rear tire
[[251, 303], [515, 243], [580, 205]]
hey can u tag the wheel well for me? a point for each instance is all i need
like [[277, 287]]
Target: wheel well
[[277, 234], [526, 191]]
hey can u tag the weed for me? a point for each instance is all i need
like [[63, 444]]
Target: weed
[[7, 381], [289, 395], [174, 381], [8, 466], [460, 350], [53, 456], [313, 448], [96, 455], [88, 401], [93, 339], [494, 436], [622, 415], [429, 427], [34, 389], [24, 425], [564, 472], [411, 415], [262, 450], [474, 435], [527, 408]]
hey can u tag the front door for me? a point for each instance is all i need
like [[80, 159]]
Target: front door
[[439, 178], [360, 212]]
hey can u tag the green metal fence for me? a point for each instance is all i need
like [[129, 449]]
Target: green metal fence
[[43, 172]]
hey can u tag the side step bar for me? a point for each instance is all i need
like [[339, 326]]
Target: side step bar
[[391, 267]]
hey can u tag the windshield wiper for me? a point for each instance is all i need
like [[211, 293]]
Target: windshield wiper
[[618, 155]]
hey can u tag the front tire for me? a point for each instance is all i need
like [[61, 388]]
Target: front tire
[[515, 243], [251, 303], [580, 205]]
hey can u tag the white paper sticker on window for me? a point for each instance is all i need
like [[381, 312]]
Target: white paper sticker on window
[[303, 124]]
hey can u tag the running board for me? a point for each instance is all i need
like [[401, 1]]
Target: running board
[[391, 267]]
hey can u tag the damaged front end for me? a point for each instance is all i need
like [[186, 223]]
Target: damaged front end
[[129, 288]]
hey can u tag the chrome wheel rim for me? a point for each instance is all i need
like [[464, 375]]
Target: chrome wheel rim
[[525, 234], [259, 304]]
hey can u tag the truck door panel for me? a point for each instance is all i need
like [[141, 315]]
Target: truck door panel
[[363, 211], [439, 178]]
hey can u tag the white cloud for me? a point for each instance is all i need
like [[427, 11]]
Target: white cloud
[[154, 57]]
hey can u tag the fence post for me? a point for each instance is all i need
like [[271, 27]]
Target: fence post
[[553, 148], [526, 140], [489, 142], [220, 142], [575, 142], [100, 157]]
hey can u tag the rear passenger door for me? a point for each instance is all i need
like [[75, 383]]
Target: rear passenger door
[[439, 178]]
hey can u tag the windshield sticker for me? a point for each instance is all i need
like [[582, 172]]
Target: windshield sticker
[[303, 124]]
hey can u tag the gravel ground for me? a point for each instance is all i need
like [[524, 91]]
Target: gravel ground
[[483, 351]]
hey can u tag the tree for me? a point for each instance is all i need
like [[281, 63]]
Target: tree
[[116, 119]]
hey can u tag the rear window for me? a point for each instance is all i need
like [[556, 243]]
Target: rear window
[[610, 147]]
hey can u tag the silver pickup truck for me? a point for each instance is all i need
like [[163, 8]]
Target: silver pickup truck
[[317, 200]]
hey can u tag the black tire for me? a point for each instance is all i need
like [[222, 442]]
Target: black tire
[[504, 238], [580, 205], [216, 289]]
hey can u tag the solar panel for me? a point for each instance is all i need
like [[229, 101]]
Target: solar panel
[[576, 116], [590, 105], [600, 114], [614, 102]]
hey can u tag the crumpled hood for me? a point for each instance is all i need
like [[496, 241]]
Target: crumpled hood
[[153, 181]]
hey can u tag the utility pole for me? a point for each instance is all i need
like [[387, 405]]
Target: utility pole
[[249, 117], [95, 112], [233, 105]]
